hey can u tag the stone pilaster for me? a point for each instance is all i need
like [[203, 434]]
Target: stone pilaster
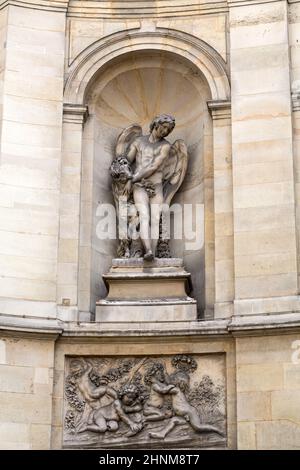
[[68, 248], [224, 269], [262, 157]]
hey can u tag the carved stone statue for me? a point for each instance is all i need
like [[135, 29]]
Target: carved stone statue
[[146, 173], [145, 401]]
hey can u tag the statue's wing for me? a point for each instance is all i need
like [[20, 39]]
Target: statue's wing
[[126, 137], [175, 170]]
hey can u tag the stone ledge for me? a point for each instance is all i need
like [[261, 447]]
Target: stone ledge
[[75, 113], [141, 263], [250, 325], [280, 322], [296, 102], [137, 9], [38, 326], [146, 275], [148, 302], [219, 109], [134, 329]]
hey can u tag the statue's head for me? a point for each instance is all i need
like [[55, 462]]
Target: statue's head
[[162, 125], [155, 372], [181, 380], [128, 394], [78, 367]]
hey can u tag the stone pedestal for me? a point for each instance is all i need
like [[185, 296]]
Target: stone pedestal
[[142, 291]]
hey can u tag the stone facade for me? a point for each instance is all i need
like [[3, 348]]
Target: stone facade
[[73, 74]]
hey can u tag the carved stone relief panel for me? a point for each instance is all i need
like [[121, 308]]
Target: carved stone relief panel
[[151, 402]]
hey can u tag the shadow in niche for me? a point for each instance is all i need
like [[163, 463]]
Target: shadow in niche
[[134, 89]]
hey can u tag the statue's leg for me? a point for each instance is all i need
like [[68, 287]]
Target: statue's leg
[[195, 422], [153, 414], [100, 423], [156, 209], [112, 425], [168, 428], [141, 201]]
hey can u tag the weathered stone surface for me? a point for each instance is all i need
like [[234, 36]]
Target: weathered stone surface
[[246, 436], [14, 436], [253, 406], [145, 401], [277, 435], [259, 377], [141, 291], [16, 379]]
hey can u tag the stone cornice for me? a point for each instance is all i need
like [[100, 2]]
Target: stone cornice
[[143, 9], [255, 325], [147, 329], [248, 325], [241, 3], [57, 5], [105, 9], [296, 101], [38, 327], [73, 113], [219, 109], [236, 326]]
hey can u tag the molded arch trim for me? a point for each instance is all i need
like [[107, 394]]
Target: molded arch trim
[[88, 63]]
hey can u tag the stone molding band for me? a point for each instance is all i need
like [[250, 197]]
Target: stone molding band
[[219, 109], [250, 325], [296, 102], [55, 6], [106, 9], [75, 113]]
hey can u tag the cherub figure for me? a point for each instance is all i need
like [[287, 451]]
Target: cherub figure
[[107, 418], [99, 417], [160, 168], [132, 402], [179, 383], [154, 408]]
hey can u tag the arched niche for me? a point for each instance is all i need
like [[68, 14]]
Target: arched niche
[[129, 77], [135, 88]]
